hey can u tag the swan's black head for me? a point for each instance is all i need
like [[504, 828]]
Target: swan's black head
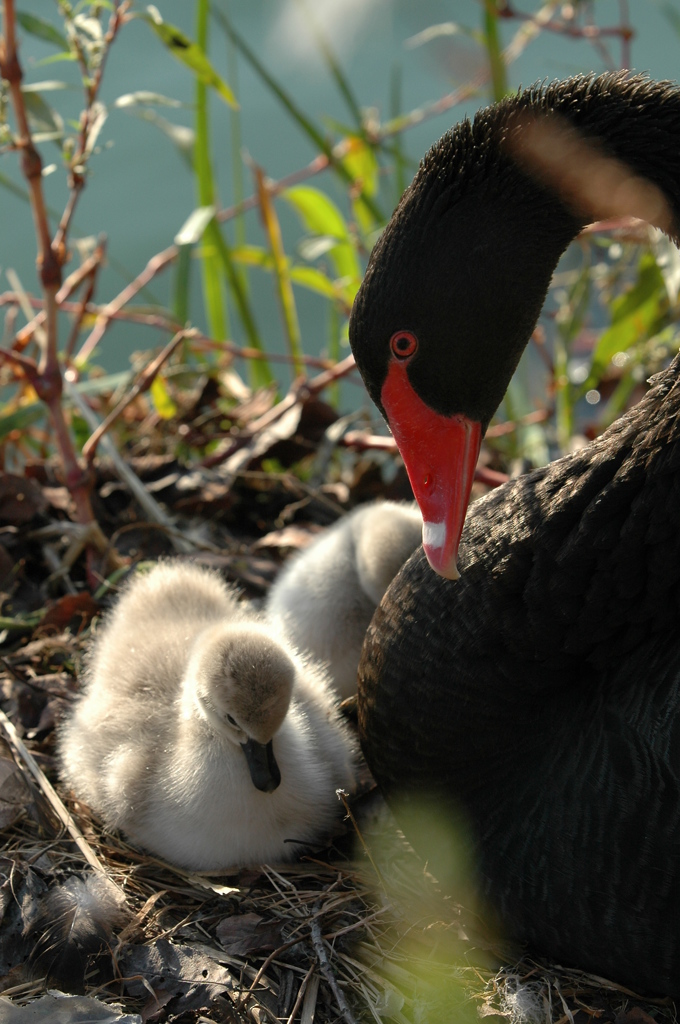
[[466, 260], [455, 285]]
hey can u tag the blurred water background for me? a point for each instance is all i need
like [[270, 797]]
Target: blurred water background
[[140, 189]]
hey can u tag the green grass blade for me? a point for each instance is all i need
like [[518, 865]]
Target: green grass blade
[[400, 173], [499, 76], [192, 55], [311, 278], [181, 285], [281, 272], [236, 144], [334, 351], [259, 369], [210, 264], [238, 186], [301, 119], [42, 29], [22, 418], [635, 315]]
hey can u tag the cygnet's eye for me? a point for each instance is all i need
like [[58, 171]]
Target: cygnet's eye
[[404, 344], [232, 721]]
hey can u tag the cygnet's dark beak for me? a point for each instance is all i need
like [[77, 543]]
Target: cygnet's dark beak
[[264, 771]]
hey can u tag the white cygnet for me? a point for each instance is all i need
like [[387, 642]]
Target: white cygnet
[[200, 732], [325, 597]]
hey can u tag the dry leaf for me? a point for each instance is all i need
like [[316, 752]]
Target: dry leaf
[[244, 934], [59, 1008], [20, 499], [293, 538], [73, 611], [14, 793]]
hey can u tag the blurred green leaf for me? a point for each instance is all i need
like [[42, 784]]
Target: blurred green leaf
[[22, 418], [183, 138], [320, 215], [668, 260], [22, 623], [362, 164], [56, 59], [194, 225], [41, 116], [41, 29], [189, 53], [49, 85], [316, 281], [634, 315], [145, 98], [162, 401], [570, 320], [444, 29], [307, 277]]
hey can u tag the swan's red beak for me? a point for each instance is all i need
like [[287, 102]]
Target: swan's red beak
[[440, 454]]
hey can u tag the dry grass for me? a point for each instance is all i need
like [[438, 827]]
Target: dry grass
[[360, 932]]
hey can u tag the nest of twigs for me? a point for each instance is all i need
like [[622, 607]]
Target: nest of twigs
[[357, 932]]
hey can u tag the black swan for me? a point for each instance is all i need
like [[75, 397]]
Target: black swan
[[537, 694]]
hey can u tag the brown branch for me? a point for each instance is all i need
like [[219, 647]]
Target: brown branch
[[326, 969], [72, 282], [201, 342], [501, 429], [31, 164], [47, 381], [90, 277], [142, 384], [300, 390], [331, 375], [48, 384], [565, 28], [627, 35], [92, 86], [318, 164], [157, 263], [24, 363], [358, 440]]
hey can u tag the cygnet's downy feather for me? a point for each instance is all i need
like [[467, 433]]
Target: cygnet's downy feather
[[325, 597], [201, 733], [73, 930]]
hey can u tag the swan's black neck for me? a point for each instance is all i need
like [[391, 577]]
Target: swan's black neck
[[466, 261]]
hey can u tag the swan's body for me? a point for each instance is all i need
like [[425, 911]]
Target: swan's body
[[191, 713], [539, 695], [325, 597]]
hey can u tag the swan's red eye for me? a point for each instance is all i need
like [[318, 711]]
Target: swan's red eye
[[403, 344]]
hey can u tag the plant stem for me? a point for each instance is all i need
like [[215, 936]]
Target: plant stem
[[46, 378]]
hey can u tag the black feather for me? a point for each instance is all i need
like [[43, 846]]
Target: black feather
[[538, 697], [73, 931]]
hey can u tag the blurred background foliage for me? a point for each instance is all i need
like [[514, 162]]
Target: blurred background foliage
[[260, 149]]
